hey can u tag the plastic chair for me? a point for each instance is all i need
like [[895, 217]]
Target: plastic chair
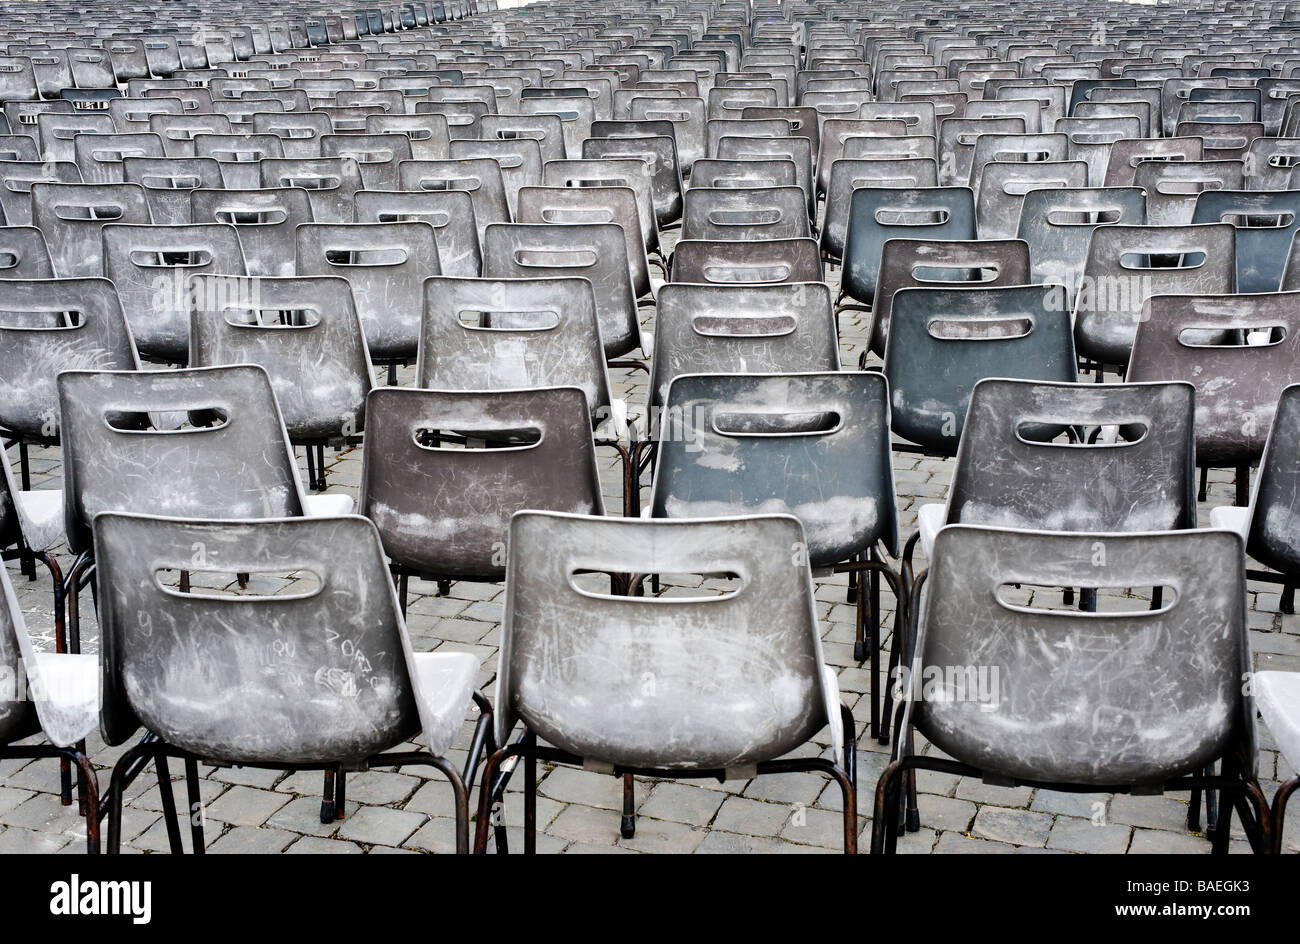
[[595, 251], [878, 214], [151, 267], [304, 331], [581, 711], [385, 265], [745, 215], [168, 183], [948, 264], [329, 706], [813, 445], [1265, 224], [449, 212], [764, 262], [264, 219], [72, 215], [1124, 268], [1173, 710]]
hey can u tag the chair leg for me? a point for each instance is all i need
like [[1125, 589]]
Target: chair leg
[[1243, 485], [88, 787], [884, 823], [627, 828], [462, 802], [1278, 815], [117, 785], [1203, 491], [196, 804], [1287, 604], [530, 797], [170, 819]]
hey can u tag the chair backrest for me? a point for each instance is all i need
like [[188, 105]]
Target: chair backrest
[[1265, 224], [264, 220], [376, 155], [591, 205], [878, 214], [231, 460], [656, 148], [1182, 337], [611, 172], [524, 448], [940, 263], [1172, 187], [17, 178], [330, 182], [505, 334], [1003, 185], [712, 329], [1014, 471], [449, 212], [813, 445], [385, 265], [1128, 264], [764, 262], [23, 253], [428, 135], [1127, 153], [942, 342], [321, 674], [594, 251], [1273, 539], [304, 331], [169, 181], [480, 177], [1143, 697], [72, 215], [850, 174], [745, 215], [18, 718], [567, 670], [53, 325], [151, 267], [239, 156], [1057, 225]]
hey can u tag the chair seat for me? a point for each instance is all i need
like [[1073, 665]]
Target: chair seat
[[41, 515], [328, 506], [66, 693], [444, 683], [1231, 517], [1277, 695], [929, 519]]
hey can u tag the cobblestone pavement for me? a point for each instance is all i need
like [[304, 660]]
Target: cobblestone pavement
[[270, 811]]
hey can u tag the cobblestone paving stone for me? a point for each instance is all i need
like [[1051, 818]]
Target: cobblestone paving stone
[[264, 811]]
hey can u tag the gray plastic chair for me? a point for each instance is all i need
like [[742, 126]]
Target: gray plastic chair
[[331, 183], [239, 155], [940, 263], [745, 215], [1003, 185], [1057, 225], [716, 712], [1129, 464], [595, 251], [814, 445], [306, 334], [1240, 351], [151, 267], [1265, 224], [169, 181], [712, 329], [450, 212], [72, 215], [55, 694], [1170, 710], [1172, 187], [526, 448], [480, 177], [349, 688], [385, 265], [764, 262], [1128, 264], [264, 219], [528, 333], [16, 179]]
